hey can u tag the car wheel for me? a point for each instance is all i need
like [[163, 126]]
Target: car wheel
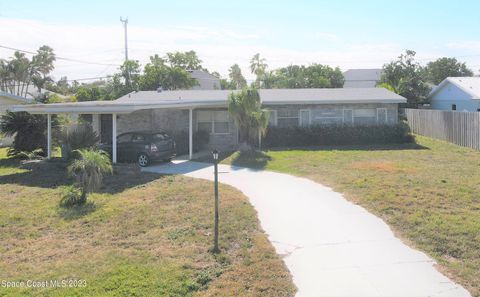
[[143, 160]]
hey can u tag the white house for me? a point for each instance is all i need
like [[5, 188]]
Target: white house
[[362, 78], [456, 93]]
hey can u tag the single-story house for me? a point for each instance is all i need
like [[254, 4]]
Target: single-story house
[[362, 78], [456, 93], [195, 110]]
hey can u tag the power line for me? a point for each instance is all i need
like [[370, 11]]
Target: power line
[[59, 58]]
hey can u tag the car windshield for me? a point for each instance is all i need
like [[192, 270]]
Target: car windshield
[[160, 136]]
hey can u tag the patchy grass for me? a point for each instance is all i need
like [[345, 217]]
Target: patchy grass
[[429, 193], [141, 235]]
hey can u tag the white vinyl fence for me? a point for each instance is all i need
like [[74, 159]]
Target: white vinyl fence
[[462, 128]]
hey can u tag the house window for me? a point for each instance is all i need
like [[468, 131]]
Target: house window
[[213, 121], [272, 118], [287, 118], [348, 116], [454, 107], [381, 116], [305, 117], [366, 116]]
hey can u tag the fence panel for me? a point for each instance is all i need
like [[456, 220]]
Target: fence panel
[[462, 128]]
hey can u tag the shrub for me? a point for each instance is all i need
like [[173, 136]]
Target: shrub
[[200, 139], [337, 135], [82, 137], [72, 196], [89, 169]]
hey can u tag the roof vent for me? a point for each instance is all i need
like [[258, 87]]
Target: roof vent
[[159, 89]]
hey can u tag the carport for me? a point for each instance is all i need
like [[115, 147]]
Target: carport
[[115, 108]]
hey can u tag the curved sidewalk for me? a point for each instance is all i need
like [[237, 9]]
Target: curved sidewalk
[[331, 246]]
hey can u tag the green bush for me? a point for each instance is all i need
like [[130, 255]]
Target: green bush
[[337, 135], [82, 137], [200, 139], [72, 196]]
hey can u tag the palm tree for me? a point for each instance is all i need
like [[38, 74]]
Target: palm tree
[[89, 170], [258, 66], [246, 110]]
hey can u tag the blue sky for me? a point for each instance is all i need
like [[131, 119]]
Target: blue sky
[[349, 34]]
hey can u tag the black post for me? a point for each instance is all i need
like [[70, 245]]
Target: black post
[[215, 239]]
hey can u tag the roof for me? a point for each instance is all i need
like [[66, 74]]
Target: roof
[[206, 81], [362, 74], [470, 85], [216, 98], [15, 97]]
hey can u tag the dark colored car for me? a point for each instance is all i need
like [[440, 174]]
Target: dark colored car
[[142, 147]]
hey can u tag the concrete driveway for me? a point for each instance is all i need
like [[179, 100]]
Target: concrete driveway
[[331, 246]]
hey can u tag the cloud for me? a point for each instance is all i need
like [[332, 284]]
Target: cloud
[[219, 48], [471, 45]]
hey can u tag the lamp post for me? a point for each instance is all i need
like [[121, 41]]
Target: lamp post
[[215, 238]]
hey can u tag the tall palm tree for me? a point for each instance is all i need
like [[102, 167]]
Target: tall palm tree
[[246, 110], [258, 66], [89, 170]]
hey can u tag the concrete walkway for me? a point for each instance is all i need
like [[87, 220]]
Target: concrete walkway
[[331, 246]]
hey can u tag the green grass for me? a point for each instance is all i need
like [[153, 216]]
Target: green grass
[[140, 235], [429, 193]]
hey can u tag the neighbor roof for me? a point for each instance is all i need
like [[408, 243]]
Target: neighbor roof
[[15, 97], [362, 74], [470, 85], [217, 98]]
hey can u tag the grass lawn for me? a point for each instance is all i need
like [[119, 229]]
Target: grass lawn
[[429, 194], [141, 235]]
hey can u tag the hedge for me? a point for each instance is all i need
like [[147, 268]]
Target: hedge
[[337, 135]]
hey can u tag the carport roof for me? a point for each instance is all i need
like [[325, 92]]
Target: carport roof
[[216, 98]]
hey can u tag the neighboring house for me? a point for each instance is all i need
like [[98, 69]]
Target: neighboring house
[[194, 110], [456, 93], [6, 102], [362, 78], [206, 81]]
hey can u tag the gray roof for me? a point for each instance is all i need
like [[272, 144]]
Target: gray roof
[[274, 96], [362, 74]]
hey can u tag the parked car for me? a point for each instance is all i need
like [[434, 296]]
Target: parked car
[[143, 147]]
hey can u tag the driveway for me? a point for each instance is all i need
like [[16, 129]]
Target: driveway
[[332, 247]]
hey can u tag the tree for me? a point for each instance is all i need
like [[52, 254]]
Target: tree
[[405, 76], [185, 60], [236, 77], [246, 110], [258, 66], [300, 76], [89, 170], [442, 68]]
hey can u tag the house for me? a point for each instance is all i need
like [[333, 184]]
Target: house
[[456, 93], [206, 110], [362, 78], [205, 80]]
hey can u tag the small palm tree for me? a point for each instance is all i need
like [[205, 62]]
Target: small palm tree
[[89, 170], [246, 110]]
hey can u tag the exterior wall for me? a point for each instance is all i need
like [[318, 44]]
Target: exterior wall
[[333, 113], [451, 94], [360, 84], [173, 121]]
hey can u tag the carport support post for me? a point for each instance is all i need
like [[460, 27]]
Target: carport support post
[[114, 138], [190, 133], [49, 136]]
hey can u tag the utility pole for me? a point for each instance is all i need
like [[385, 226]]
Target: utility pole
[[127, 78], [125, 23]]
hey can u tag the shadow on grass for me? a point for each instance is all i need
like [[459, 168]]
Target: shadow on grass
[[53, 174], [76, 212], [357, 147], [251, 159]]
